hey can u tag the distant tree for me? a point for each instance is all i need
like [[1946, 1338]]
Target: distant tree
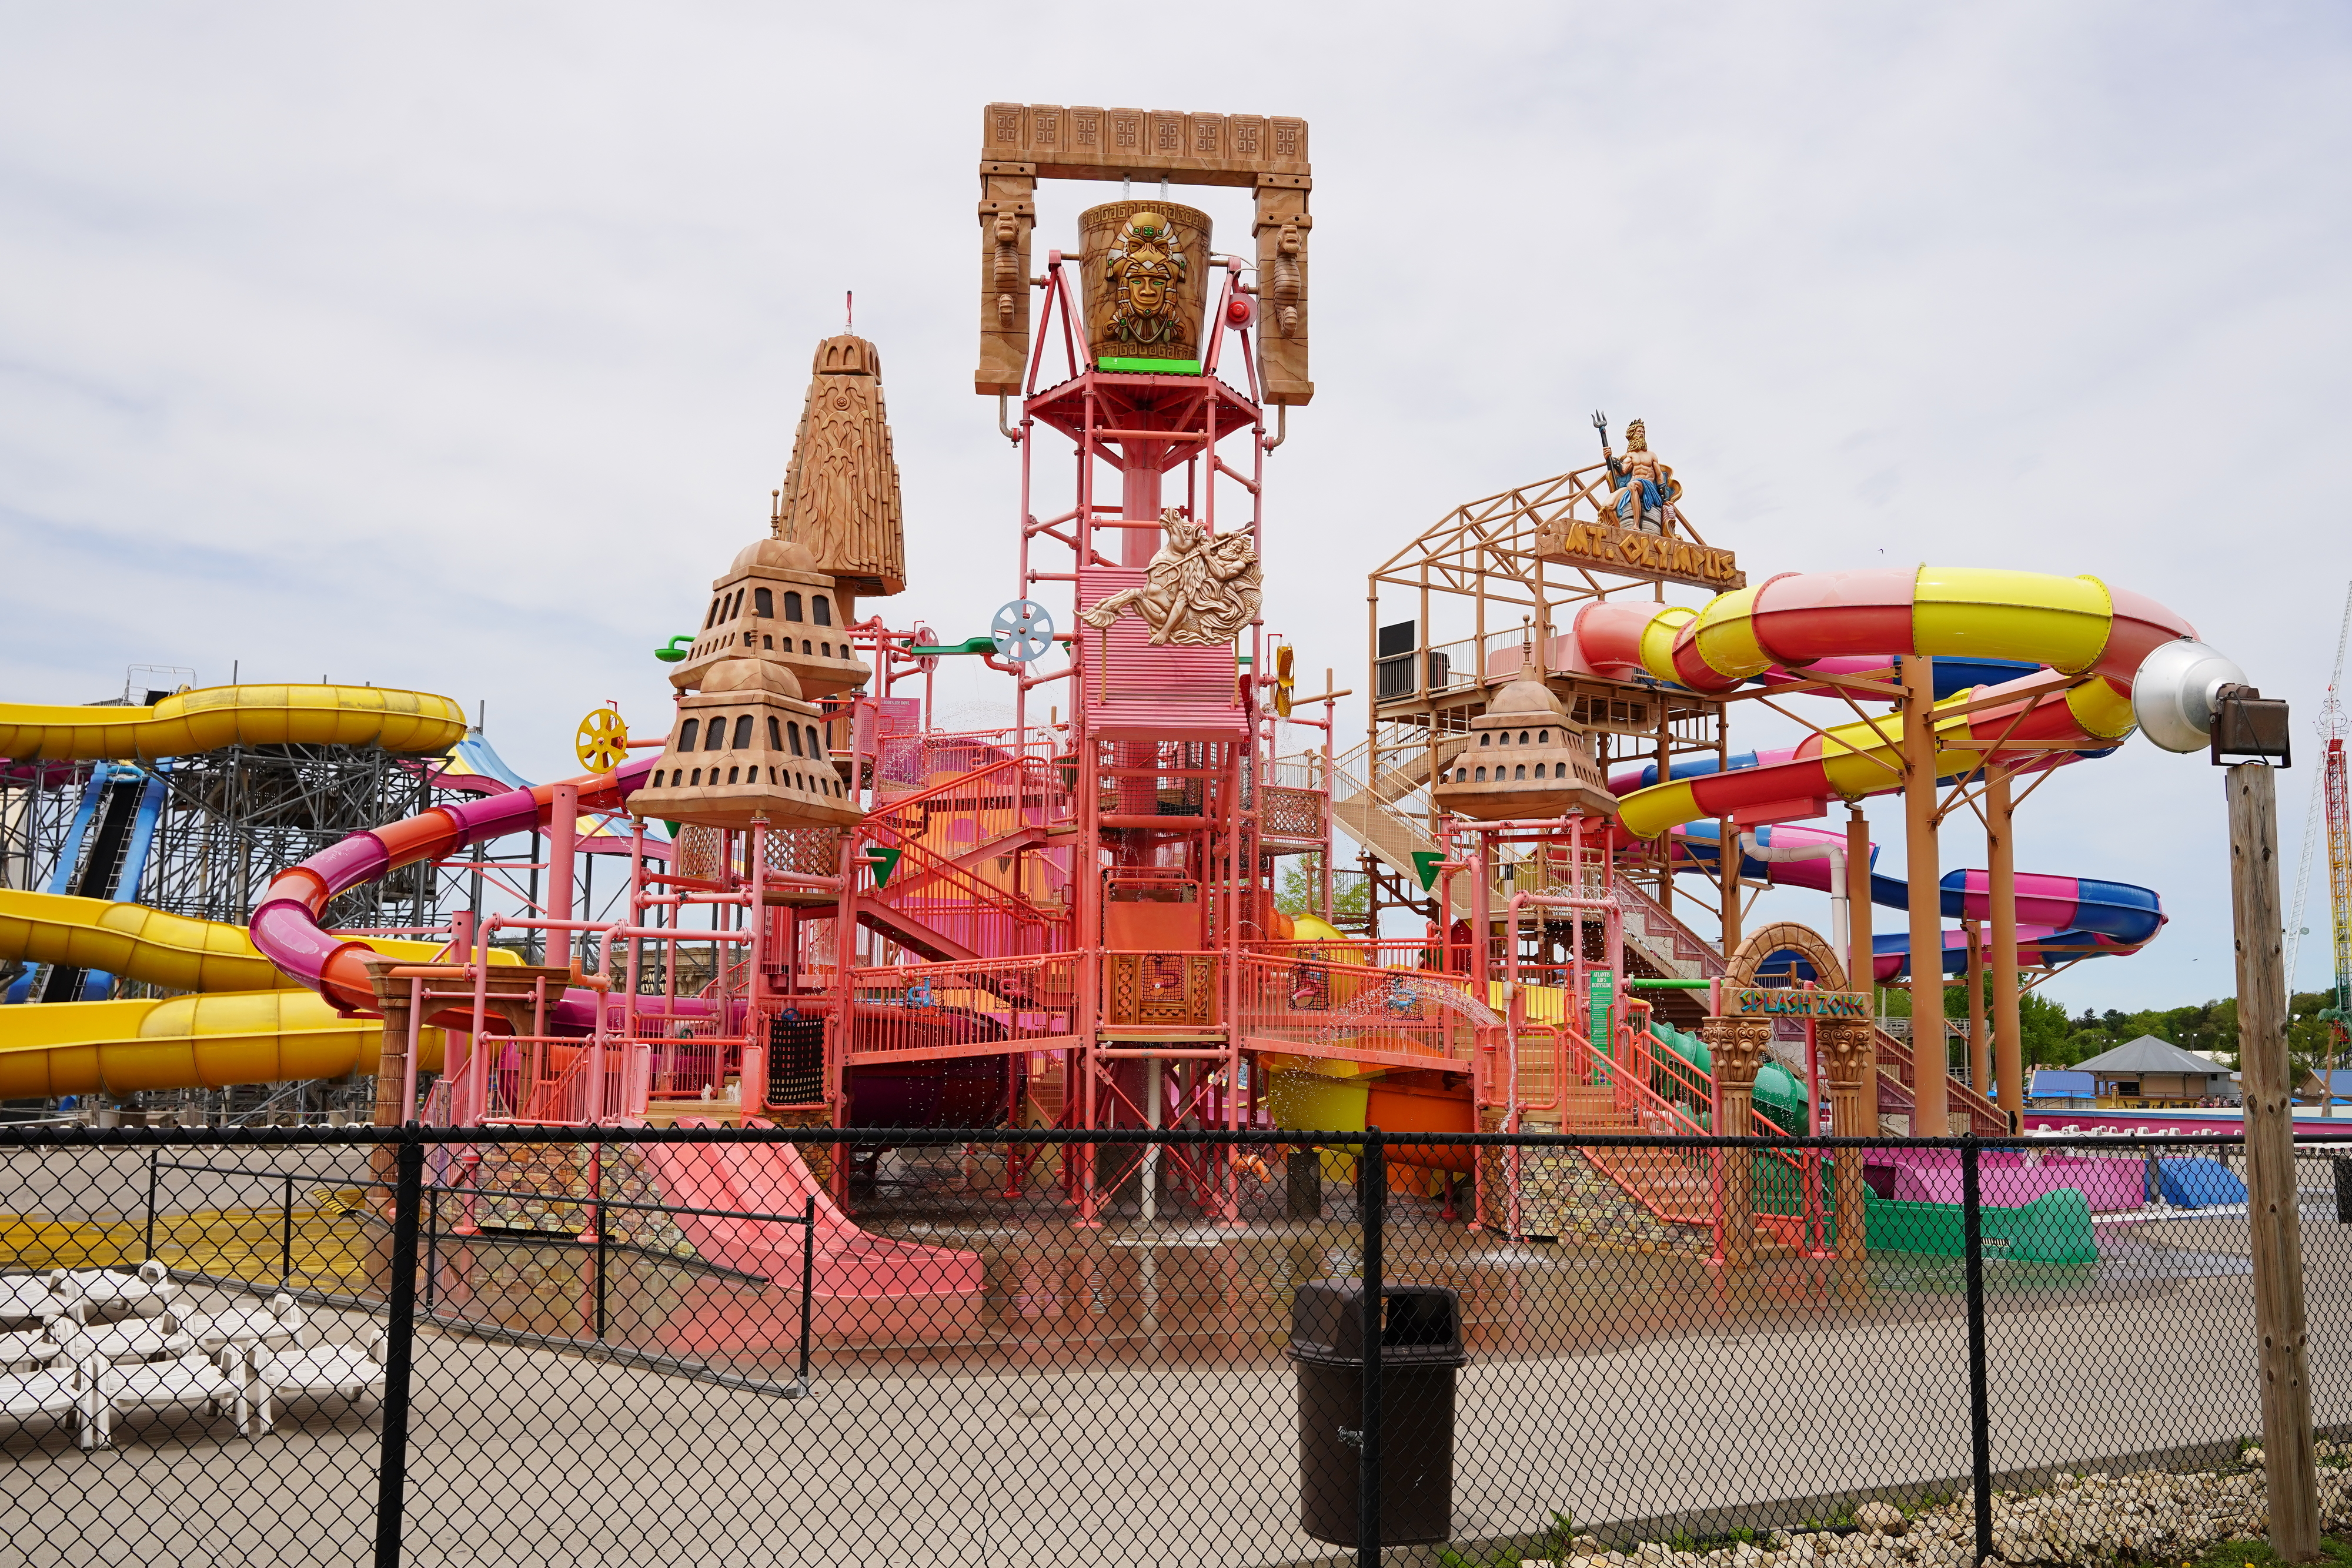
[[1301, 892], [2044, 1036]]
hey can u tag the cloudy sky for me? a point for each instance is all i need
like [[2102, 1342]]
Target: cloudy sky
[[458, 347]]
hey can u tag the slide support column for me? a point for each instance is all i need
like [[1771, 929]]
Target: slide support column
[[1979, 1045], [1728, 857], [2282, 1330], [1927, 1073], [562, 838], [2008, 1043], [1859, 960]]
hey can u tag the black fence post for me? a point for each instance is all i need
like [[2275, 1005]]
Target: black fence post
[[596, 1174], [153, 1170], [400, 1334], [286, 1241], [431, 1244], [1979, 1414], [808, 1286], [1372, 1200]]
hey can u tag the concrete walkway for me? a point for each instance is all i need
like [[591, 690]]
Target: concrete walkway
[[1601, 1386]]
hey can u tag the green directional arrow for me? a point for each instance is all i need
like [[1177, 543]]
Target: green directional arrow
[[1424, 865], [884, 859]]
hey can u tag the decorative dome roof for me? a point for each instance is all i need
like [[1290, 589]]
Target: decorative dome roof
[[751, 675], [783, 555], [1524, 759], [1528, 695]]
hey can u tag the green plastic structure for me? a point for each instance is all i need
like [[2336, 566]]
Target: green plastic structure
[[2054, 1228]]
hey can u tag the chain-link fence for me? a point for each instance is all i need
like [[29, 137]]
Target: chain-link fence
[[544, 1345]]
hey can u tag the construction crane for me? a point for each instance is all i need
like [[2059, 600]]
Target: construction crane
[[2331, 801]]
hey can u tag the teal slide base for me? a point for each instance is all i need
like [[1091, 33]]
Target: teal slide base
[[2054, 1228]]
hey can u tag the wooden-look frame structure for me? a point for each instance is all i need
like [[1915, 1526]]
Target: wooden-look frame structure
[[1517, 566], [1020, 144]]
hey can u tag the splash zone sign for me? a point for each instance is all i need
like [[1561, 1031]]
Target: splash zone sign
[[1755, 1001]]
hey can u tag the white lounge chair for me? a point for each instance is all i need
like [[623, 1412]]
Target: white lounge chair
[[102, 1291], [276, 1323], [313, 1368], [191, 1380], [31, 1298], [138, 1339], [63, 1390], [27, 1349]]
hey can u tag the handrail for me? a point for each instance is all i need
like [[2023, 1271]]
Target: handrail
[[1984, 1116], [1033, 770], [923, 866]]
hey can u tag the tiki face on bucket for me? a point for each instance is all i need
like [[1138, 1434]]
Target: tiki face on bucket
[[1144, 266]]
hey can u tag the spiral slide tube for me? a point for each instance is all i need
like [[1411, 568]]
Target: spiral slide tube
[[151, 946], [183, 1042], [2078, 626], [286, 927]]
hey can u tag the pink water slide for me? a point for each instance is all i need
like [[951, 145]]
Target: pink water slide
[[285, 928], [866, 1287]]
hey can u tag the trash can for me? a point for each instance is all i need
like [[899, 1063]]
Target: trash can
[[1421, 1350]]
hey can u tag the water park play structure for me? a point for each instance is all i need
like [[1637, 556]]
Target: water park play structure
[[868, 920]]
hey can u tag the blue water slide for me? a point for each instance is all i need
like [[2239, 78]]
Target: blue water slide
[[95, 985], [68, 856]]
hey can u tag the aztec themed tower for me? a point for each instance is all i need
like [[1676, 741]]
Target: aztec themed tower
[[840, 497], [747, 744]]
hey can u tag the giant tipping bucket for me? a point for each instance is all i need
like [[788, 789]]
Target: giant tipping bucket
[[1145, 265]]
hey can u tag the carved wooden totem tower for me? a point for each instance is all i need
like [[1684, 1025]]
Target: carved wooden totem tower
[[841, 492]]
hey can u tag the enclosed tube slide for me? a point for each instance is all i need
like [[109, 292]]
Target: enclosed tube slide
[[2078, 626], [409, 723], [2059, 917], [256, 1026], [182, 1043], [286, 927]]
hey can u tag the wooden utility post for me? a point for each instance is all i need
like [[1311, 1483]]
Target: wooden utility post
[[2289, 1461], [2009, 1048], [1930, 1093]]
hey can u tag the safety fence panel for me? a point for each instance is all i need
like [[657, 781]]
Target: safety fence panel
[[1321, 1006], [555, 1345]]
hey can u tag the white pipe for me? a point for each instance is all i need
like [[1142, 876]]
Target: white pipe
[[1836, 855]]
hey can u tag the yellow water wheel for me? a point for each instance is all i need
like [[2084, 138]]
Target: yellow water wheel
[[601, 741]]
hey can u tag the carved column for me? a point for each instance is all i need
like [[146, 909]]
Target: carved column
[[1282, 225], [1848, 1053], [1008, 212], [1737, 1046]]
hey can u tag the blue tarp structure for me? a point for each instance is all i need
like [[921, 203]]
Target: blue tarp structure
[[2050, 1084], [2196, 1181]]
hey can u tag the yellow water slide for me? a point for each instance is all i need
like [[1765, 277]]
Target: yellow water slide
[[255, 1026], [259, 1027], [410, 723], [182, 1043]]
